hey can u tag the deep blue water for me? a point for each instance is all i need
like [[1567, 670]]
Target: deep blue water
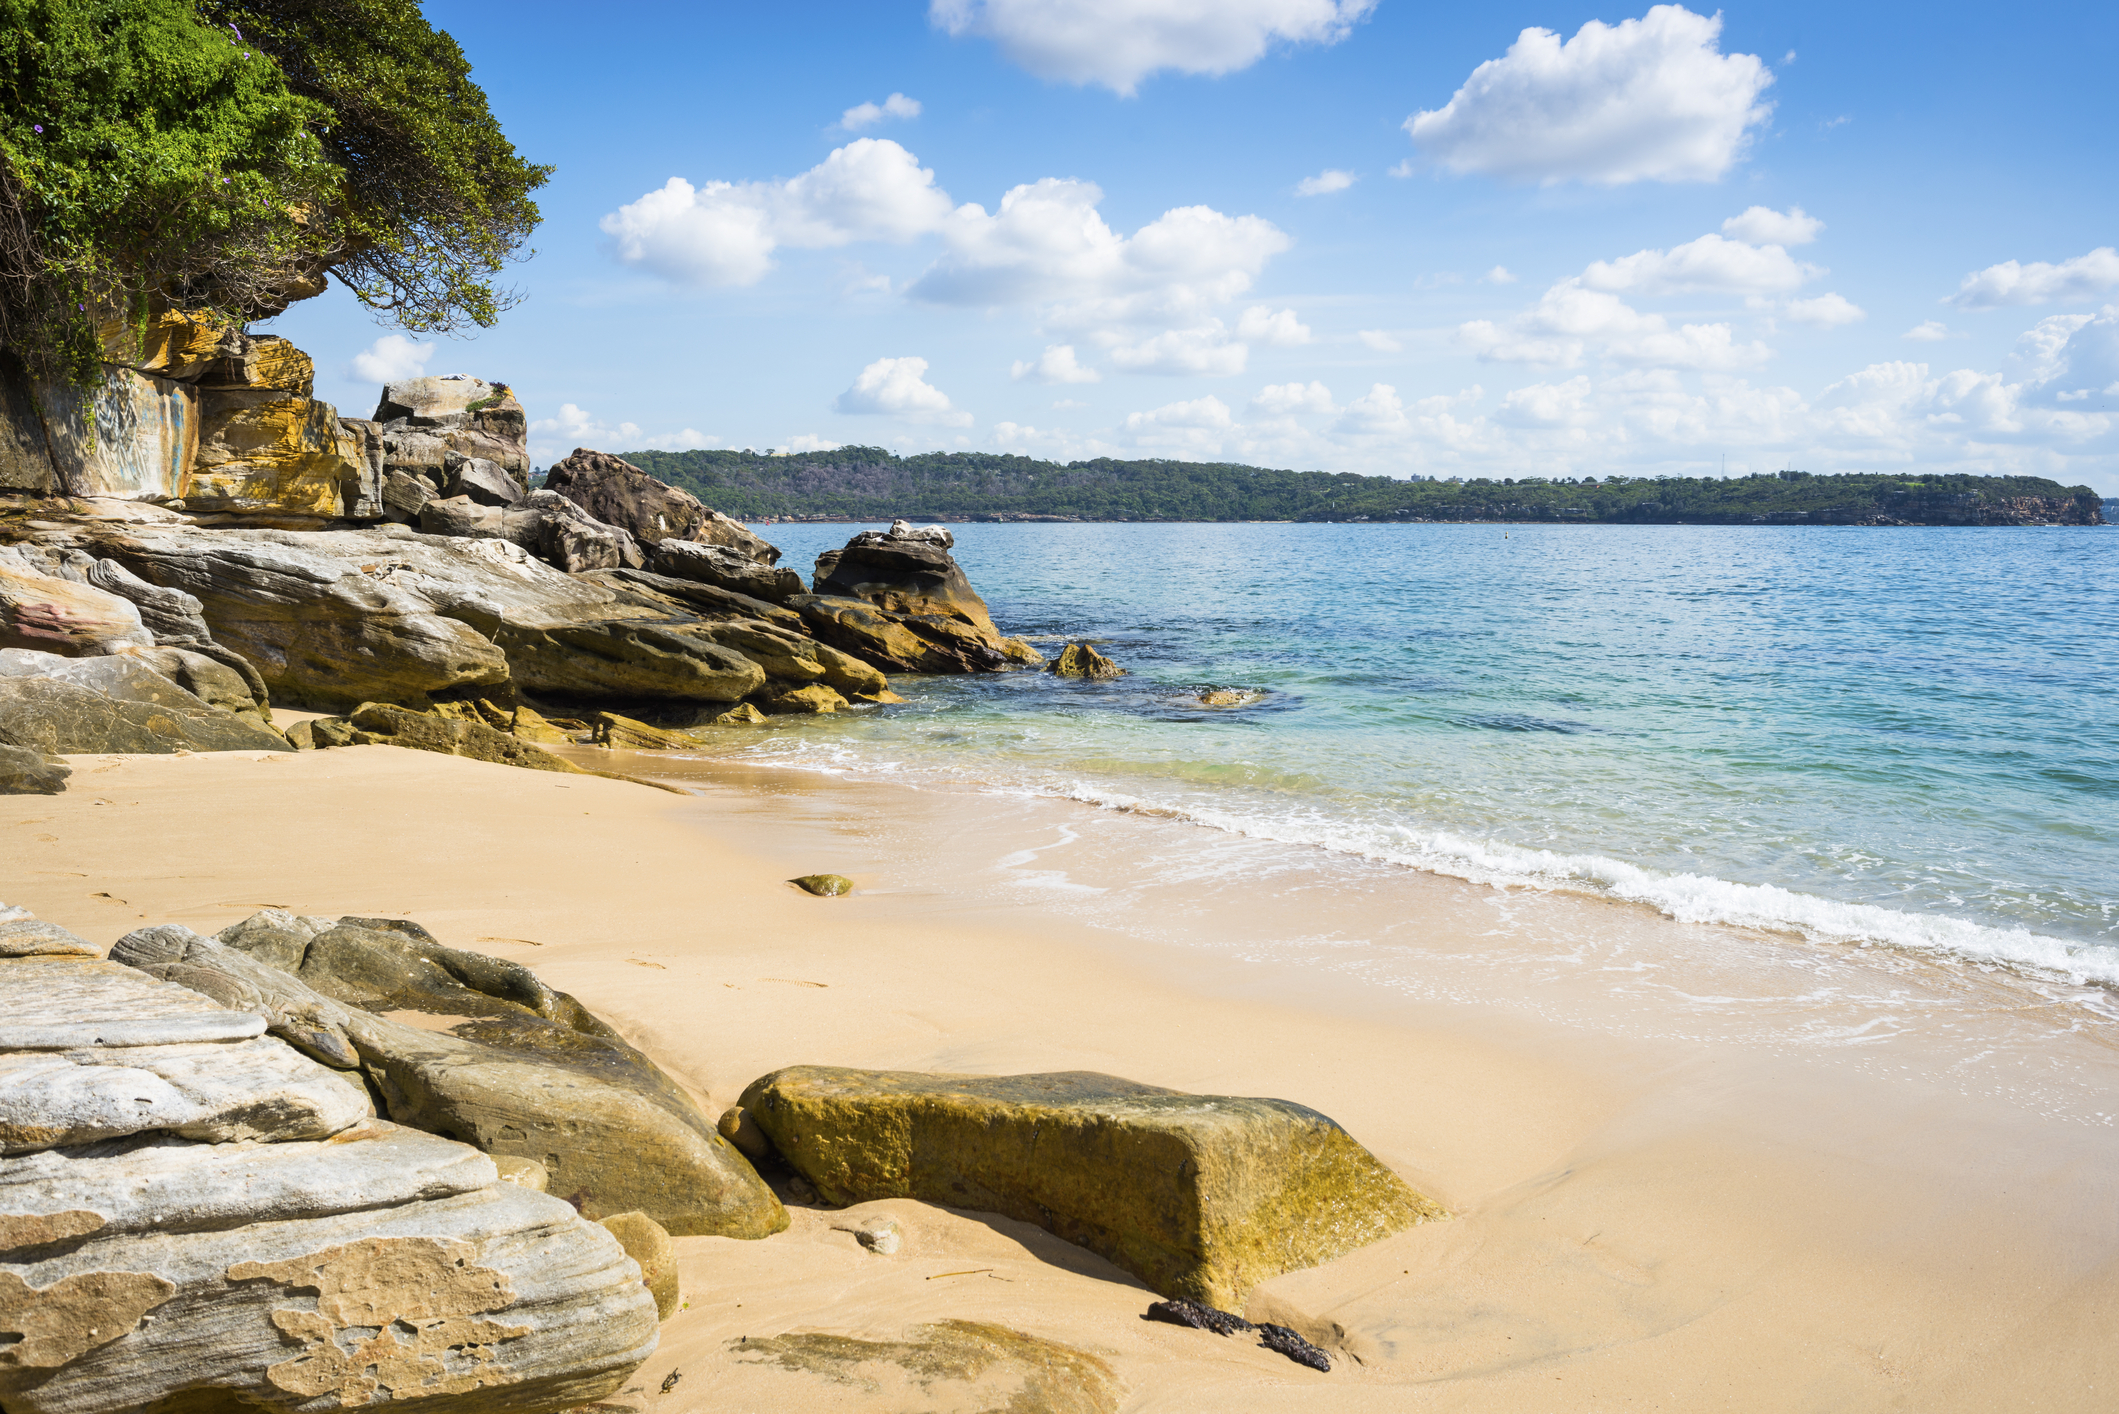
[[1905, 736]]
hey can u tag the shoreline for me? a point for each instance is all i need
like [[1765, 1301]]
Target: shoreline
[[1683, 1219]]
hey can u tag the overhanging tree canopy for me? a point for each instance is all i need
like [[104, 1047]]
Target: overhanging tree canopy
[[222, 156]]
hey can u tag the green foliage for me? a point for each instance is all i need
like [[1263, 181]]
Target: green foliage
[[869, 483], [435, 200], [223, 156], [143, 152]]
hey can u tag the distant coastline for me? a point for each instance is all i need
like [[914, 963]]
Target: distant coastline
[[867, 484]]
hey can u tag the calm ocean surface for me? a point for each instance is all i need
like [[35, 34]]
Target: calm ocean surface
[[1907, 737]]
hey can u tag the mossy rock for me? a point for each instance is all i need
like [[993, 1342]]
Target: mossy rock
[[824, 885], [1200, 1196], [646, 1243], [1079, 660], [954, 1365], [381, 724]]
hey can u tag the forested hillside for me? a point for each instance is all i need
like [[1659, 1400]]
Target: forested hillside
[[870, 483]]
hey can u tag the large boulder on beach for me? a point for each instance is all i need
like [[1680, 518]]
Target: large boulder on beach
[[1200, 1196], [54, 615], [381, 724], [618, 493], [500, 1061], [910, 575], [121, 703], [26, 771]]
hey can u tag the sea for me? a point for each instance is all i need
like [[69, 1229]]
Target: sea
[[1903, 740]]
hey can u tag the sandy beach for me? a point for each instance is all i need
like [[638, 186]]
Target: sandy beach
[[1653, 1209]]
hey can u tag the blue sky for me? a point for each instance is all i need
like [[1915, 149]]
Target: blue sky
[[1378, 237]]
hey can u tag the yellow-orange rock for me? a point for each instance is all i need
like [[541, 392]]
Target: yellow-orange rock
[[263, 451]]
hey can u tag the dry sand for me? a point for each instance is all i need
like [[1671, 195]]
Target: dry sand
[[1681, 1222]]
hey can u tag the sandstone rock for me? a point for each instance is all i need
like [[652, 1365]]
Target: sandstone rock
[[627, 659], [913, 578], [527, 1172], [25, 455], [803, 701], [463, 517], [741, 715], [646, 1243], [55, 615], [528, 1073], [624, 734], [1081, 660], [618, 493], [952, 1365], [24, 771], [691, 596], [263, 361], [432, 398], [824, 885], [739, 1129], [380, 724], [404, 496], [730, 569], [134, 436], [422, 421], [859, 628], [881, 1236], [1229, 697], [261, 450], [498, 1299], [22, 935], [485, 482], [937, 535], [208, 679], [531, 725], [1201, 1196], [172, 343], [568, 537], [790, 657], [67, 705]]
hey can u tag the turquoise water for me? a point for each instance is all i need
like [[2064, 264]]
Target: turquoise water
[[1886, 736]]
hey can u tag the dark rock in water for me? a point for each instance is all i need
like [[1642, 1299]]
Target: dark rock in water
[[1191, 1313], [910, 577], [618, 493], [26, 771], [824, 885], [1120, 1168], [1079, 660], [1293, 1346], [121, 704]]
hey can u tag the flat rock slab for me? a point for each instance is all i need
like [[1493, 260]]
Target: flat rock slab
[[495, 1300], [88, 996], [1200, 1196], [952, 1365], [22, 934], [156, 1183], [216, 1091]]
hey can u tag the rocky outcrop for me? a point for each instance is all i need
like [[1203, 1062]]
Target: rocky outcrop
[[1081, 660], [730, 569], [1200, 1196], [193, 1216], [27, 771], [520, 1070], [421, 421], [121, 703], [618, 493], [910, 577], [380, 724], [54, 616]]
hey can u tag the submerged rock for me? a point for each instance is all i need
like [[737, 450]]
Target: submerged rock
[[1081, 660], [1201, 1196], [741, 715], [953, 1364], [803, 701]]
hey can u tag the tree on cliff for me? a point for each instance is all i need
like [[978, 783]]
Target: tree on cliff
[[224, 156]]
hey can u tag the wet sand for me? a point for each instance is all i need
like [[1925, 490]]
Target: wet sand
[[1691, 1168]]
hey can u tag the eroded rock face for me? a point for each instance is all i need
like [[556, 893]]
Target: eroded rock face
[[1200, 1196], [522, 1071], [618, 493], [67, 705], [730, 569], [54, 615], [910, 577]]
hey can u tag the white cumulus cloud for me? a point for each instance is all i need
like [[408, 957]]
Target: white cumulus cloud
[[391, 358], [1379, 412], [1652, 99], [1711, 263], [1569, 321], [1499, 275], [1287, 399], [2085, 277], [1929, 331], [1280, 329], [1209, 411], [1379, 340], [1207, 350], [1331, 179], [1827, 311], [1762, 225], [867, 115], [725, 233], [898, 387], [809, 442], [1056, 365], [1117, 43]]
